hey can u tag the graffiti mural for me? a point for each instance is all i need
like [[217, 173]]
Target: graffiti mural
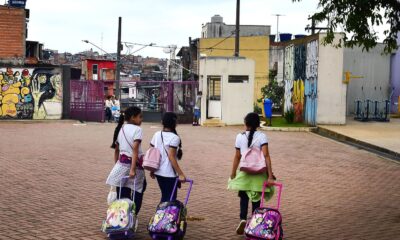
[[298, 85], [289, 77], [311, 82], [30, 93]]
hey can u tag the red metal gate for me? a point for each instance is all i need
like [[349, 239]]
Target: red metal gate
[[87, 100]]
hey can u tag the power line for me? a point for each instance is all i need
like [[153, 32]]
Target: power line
[[223, 40]]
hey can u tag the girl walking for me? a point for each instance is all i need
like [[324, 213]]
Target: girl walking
[[248, 185], [128, 157], [169, 144]]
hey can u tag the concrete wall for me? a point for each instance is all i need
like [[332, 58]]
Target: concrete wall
[[395, 78], [331, 95], [221, 30], [31, 93], [276, 59], [374, 67], [226, 49], [236, 98]]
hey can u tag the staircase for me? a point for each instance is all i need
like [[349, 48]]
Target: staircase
[[213, 122]]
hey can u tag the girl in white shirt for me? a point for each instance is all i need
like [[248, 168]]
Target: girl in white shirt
[[128, 157], [249, 186], [170, 146]]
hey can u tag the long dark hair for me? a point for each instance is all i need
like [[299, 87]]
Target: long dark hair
[[169, 121], [128, 114], [252, 121]]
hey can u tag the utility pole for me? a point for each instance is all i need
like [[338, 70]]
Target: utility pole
[[314, 27], [237, 32], [277, 26], [119, 49]]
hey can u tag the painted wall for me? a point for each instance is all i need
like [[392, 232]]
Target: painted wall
[[374, 67], [331, 95], [289, 77], [311, 83], [236, 98], [226, 49], [31, 93], [395, 78]]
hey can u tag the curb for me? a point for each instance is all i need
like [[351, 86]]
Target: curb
[[286, 129], [357, 143], [37, 121]]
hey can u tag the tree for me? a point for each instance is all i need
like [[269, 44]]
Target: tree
[[358, 19], [273, 90]]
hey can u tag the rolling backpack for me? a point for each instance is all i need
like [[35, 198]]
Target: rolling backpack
[[121, 217], [169, 221], [265, 223]]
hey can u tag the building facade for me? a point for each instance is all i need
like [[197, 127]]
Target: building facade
[[218, 29], [255, 48]]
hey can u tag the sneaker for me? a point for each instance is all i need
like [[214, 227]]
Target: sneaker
[[240, 228]]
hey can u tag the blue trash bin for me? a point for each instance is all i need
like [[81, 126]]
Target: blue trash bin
[[268, 108]]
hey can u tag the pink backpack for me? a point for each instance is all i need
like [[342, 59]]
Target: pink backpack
[[152, 158], [253, 161]]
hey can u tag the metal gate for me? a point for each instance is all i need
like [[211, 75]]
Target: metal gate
[[87, 100], [153, 97]]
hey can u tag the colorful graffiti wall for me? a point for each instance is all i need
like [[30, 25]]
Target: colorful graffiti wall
[[301, 68], [30, 93]]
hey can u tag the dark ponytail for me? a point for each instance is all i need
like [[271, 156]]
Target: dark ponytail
[[252, 121], [169, 121], [117, 129]]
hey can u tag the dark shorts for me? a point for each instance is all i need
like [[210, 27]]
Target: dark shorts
[[197, 113]]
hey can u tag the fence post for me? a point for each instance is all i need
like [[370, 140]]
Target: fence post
[[170, 97]]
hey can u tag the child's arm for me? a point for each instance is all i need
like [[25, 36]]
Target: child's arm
[[236, 161], [268, 163], [135, 158], [175, 165], [116, 153]]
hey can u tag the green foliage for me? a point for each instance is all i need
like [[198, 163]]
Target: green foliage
[[257, 109], [358, 18], [289, 115], [273, 90]]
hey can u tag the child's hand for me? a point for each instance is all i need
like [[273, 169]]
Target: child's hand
[[270, 182], [152, 175], [233, 175], [132, 173], [182, 178]]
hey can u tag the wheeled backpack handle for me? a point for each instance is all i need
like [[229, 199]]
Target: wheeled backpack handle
[[279, 186], [189, 190]]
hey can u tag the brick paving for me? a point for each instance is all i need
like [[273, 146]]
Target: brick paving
[[52, 184]]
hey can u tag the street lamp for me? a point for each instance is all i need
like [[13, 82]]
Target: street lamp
[[89, 42]]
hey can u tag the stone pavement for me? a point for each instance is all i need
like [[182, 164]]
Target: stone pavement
[[52, 184], [385, 135]]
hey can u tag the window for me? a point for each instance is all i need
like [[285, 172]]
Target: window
[[214, 88], [238, 79], [95, 69]]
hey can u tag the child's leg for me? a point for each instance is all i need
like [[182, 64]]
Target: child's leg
[[166, 186], [125, 193], [244, 205], [256, 205], [139, 198]]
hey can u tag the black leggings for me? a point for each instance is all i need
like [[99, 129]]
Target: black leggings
[[127, 193], [244, 205], [166, 185]]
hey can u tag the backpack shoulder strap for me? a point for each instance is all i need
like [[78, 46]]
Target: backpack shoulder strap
[[126, 139]]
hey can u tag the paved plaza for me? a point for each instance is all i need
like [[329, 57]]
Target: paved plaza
[[53, 184]]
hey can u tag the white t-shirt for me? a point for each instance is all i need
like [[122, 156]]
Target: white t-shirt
[[132, 133], [170, 140], [259, 139]]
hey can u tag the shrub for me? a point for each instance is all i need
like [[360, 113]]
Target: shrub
[[289, 115]]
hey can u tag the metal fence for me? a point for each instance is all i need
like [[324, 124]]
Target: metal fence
[[153, 97]]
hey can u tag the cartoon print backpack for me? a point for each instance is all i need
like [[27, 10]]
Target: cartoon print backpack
[[253, 160], [120, 221], [169, 221], [152, 158], [265, 223]]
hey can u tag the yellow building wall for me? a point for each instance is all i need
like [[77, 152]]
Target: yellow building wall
[[255, 48]]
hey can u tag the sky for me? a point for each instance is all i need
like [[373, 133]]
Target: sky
[[63, 24]]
